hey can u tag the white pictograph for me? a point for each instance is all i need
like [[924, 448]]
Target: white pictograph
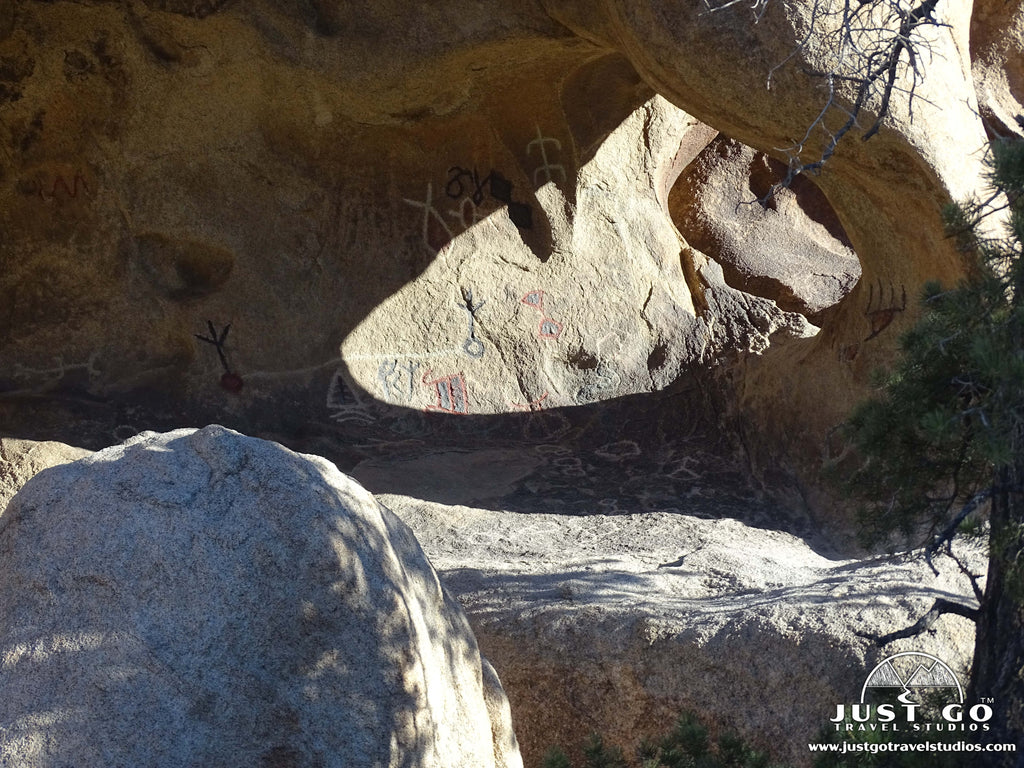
[[467, 213], [59, 371], [342, 405], [546, 167], [397, 380], [429, 211]]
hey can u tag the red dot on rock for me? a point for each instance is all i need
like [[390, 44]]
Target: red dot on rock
[[232, 382]]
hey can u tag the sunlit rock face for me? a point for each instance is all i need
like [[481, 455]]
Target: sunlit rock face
[[605, 309], [616, 624], [997, 63], [204, 598], [309, 219], [887, 192], [498, 254], [21, 459], [667, 599], [785, 244]]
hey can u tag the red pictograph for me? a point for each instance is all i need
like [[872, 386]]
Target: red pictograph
[[548, 328], [534, 299], [533, 405], [60, 189], [452, 396]]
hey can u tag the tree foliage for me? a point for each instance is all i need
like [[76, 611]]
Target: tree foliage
[[943, 440], [950, 413]]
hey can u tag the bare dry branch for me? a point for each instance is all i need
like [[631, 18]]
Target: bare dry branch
[[941, 607], [874, 46], [974, 578]]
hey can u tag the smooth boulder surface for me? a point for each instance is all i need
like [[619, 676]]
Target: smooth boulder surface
[[204, 598], [790, 249]]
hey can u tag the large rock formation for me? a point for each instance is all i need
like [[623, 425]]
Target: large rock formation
[[607, 622], [491, 255], [887, 192], [203, 598], [454, 257], [617, 624], [788, 247], [472, 218]]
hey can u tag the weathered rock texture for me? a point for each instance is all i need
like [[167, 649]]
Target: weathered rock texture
[[887, 192], [203, 598], [617, 624], [374, 253], [789, 248], [449, 240], [20, 460], [997, 58], [464, 212]]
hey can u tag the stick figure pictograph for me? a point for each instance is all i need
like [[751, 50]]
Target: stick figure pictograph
[[229, 380]]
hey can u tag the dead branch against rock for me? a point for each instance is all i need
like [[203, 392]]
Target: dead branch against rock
[[947, 534], [875, 49], [941, 607]]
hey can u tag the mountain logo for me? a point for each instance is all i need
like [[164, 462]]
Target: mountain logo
[[912, 691], [912, 673]]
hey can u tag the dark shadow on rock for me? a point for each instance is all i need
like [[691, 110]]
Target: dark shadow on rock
[[664, 451], [597, 584]]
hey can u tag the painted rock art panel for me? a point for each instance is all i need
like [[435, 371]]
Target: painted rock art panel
[[500, 330], [460, 242]]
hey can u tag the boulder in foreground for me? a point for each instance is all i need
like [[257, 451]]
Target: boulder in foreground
[[204, 598]]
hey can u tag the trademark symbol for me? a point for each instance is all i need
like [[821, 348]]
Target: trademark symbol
[[987, 700]]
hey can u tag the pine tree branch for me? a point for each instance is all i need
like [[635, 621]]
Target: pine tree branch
[[950, 530], [941, 607]]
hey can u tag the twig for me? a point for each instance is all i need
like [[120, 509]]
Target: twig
[[874, 44], [975, 586]]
